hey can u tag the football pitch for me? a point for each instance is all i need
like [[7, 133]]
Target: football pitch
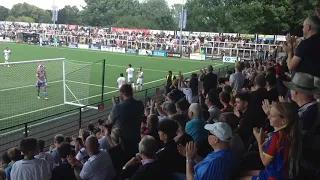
[[18, 102]]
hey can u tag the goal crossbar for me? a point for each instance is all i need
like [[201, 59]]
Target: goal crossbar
[[32, 61]]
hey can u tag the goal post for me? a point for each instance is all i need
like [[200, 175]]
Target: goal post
[[69, 86]]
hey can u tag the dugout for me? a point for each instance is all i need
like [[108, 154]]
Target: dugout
[[28, 37]]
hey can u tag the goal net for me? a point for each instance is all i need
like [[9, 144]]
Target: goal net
[[21, 100]]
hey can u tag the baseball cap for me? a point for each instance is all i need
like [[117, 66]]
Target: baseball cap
[[221, 130]]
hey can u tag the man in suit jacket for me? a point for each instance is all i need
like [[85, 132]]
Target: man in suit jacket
[[128, 116], [149, 167]]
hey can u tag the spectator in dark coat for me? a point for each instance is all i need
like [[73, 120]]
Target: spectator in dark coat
[[210, 80]]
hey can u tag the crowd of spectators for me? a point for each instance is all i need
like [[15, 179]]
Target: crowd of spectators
[[260, 121]]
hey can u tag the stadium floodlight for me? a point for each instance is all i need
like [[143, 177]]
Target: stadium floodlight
[[68, 86]]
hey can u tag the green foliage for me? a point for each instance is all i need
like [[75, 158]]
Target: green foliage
[[20, 19], [230, 16], [4, 13]]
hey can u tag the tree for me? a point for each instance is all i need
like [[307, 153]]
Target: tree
[[20, 19], [4, 13], [27, 10], [69, 15]]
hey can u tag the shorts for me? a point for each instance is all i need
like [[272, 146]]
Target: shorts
[[130, 80], [139, 81], [41, 84], [6, 58]]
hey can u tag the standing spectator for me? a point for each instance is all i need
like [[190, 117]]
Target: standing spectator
[[209, 79], [190, 90], [281, 153], [212, 103], [303, 56], [195, 126], [30, 168], [218, 164], [225, 99], [58, 139], [273, 94], [169, 81], [237, 79], [246, 116], [302, 90], [64, 171], [15, 155], [169, 156], [128, 116], [257, 96], [45, 155]]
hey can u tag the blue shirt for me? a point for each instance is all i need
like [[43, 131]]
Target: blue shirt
[[217, 165], [8, 171], [195, 128]]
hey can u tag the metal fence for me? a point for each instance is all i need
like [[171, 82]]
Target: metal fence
[[69, 122]]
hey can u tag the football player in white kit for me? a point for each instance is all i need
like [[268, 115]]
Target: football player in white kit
[[139, 80], [6, 54], [121, 80], [130, 72]]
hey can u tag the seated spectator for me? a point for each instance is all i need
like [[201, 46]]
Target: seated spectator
[[181, 121], [45, 155], [152, 129], [236, 143], [15, 155], [282, 148], [212, 102], [5, 160], [169, 156], [103, 142], [64, 171], [195, 126], [2, 174], [98, 166], [117, 153], [82, 154], [225, 99], [58, 139], [150, 168], [166, 111], [273, 94], [30, 168], [218, 164], [182, 107], [227, 89]]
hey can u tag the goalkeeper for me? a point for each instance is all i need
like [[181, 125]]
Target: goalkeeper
[[41, 80]]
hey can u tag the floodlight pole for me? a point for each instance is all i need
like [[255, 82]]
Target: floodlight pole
[[54, 18], [181, 24]]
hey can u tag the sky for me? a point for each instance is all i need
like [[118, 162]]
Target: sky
[[47, 4]]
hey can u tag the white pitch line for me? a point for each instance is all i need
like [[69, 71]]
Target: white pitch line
[[91, 97], [113, 65], [26, 86], [125, 54]]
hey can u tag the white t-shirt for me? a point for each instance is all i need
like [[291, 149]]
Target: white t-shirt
[[48, 157], [31, 170], [130, 72], [188, 93], [121, 81], [6, 53], [140, 75]]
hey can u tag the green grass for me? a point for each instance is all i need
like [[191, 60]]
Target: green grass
[[17, 83]]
